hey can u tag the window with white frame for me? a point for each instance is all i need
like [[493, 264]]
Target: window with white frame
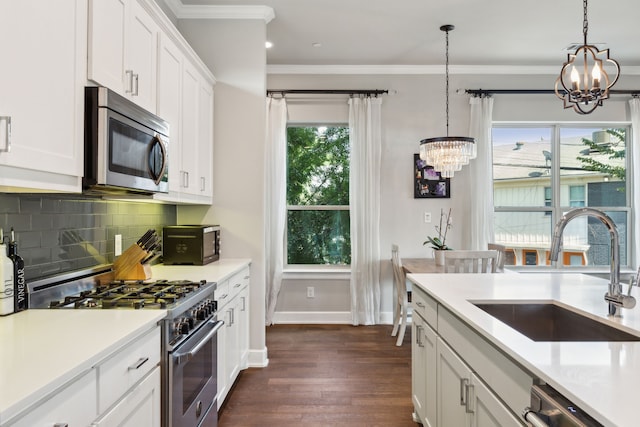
[[318, 227], [542, 171]]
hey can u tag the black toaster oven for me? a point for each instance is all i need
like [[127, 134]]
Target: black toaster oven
[[190, 244]]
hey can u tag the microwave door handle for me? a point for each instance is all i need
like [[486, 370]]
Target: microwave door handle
[[163, 152]]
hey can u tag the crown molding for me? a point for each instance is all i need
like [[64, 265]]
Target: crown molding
[[189, 11], [423, 69]]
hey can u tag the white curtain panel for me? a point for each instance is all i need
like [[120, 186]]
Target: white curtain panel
[[633, 146], [364, 200], [481, 174], [276, 209]]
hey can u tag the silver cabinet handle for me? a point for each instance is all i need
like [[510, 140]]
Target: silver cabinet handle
[[237, 285], [246, 277], [186, 179], [202, 181], [464, 382], [7, 133], [129, 75], [134, 92], [61, 425], [533, 418], [468, 400], [138, 364], [419, 304], [419, 336], [244, 304]]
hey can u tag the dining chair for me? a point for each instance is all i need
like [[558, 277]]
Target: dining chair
[[402, 299], [501, 255], [470, 261]]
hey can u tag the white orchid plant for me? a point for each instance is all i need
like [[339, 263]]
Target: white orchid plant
[[439, 242]]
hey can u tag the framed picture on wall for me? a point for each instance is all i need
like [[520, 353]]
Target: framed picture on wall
[[428, 184]]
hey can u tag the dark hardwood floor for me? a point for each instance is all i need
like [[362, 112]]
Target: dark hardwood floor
[[325, 375]]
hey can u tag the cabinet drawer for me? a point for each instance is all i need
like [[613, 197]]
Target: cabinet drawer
[[425, 306], [222, 294], [122, 371], [238, 282], [74, 405]]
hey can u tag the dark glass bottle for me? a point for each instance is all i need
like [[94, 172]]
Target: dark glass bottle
[[20, 284]]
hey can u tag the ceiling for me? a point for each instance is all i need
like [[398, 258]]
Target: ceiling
[[406, 32]]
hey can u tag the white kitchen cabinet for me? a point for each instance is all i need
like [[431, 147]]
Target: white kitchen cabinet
[[423, 365], [141, 407], [42, 83], [488, 410], [169, 99], [233, 338], [123, 44], [453, 388], [185, 100], [129, 384], [448, 364], [74, 404]]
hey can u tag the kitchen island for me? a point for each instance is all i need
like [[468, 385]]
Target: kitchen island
[[599, 377]]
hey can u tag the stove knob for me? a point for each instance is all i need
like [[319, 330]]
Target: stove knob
[[184, 328], [176, 327], [200, 314], [191, 321]]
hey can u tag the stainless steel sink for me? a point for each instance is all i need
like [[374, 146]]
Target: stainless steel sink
[[550, 322]]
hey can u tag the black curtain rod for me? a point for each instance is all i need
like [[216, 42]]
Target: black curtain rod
[[326, 92], [485, 92]]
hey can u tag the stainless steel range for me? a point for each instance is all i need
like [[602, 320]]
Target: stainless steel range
[[189, 332]]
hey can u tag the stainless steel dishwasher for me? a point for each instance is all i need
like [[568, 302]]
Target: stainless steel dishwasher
[[551, 409]]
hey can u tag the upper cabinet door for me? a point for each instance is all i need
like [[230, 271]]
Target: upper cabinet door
[[123, 43], [107, 21], [42, 94], [140, 49]]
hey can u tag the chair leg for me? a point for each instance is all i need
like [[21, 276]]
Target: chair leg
[[396, 321], [403, 328]]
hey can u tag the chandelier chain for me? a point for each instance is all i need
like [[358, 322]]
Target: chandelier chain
[[585, 22], [446, 72]]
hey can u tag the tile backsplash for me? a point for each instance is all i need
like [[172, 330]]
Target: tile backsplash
[[60, 233]]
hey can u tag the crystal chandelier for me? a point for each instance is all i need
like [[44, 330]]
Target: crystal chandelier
[[586, 93], [447, 154]]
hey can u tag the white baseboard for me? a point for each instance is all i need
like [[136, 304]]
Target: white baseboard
[[258, 358], [322, 317]]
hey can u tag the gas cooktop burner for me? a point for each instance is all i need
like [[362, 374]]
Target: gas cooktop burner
[[131, 294]]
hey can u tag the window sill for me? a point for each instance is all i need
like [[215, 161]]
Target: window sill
[[322, 273]]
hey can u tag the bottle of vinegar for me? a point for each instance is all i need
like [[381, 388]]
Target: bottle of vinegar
[[6, 280], [20, 285]]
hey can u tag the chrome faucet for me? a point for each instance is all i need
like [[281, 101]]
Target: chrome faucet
[[614, 296]]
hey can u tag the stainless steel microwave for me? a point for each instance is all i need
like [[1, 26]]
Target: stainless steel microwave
[[126, 147]]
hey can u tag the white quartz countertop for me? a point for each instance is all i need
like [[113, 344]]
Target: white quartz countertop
[[213, 272], [41, 350], [602, 378]]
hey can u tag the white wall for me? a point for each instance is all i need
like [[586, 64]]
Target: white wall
[[414, 110], [234, 51]]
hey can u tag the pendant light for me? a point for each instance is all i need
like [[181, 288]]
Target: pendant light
[[447, 154], [586, 93]]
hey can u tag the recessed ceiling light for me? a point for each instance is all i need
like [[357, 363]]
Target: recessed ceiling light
[[268, 44], [316, 44]]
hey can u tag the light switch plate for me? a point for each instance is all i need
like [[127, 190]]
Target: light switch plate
[[118, 245]]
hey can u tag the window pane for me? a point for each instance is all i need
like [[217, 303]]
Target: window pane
[[318, 165], [525, 235], [318, 237], [593, 158], [521, 166]]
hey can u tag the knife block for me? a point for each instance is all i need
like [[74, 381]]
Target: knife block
[[128, 266]]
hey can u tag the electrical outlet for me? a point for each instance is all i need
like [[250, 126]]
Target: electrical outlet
[[311, 292], [118, 245], [427, 217]]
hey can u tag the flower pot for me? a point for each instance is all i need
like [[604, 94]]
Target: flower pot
[[439, 257]]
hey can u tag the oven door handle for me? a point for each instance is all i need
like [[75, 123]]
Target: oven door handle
[[188, 355]]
